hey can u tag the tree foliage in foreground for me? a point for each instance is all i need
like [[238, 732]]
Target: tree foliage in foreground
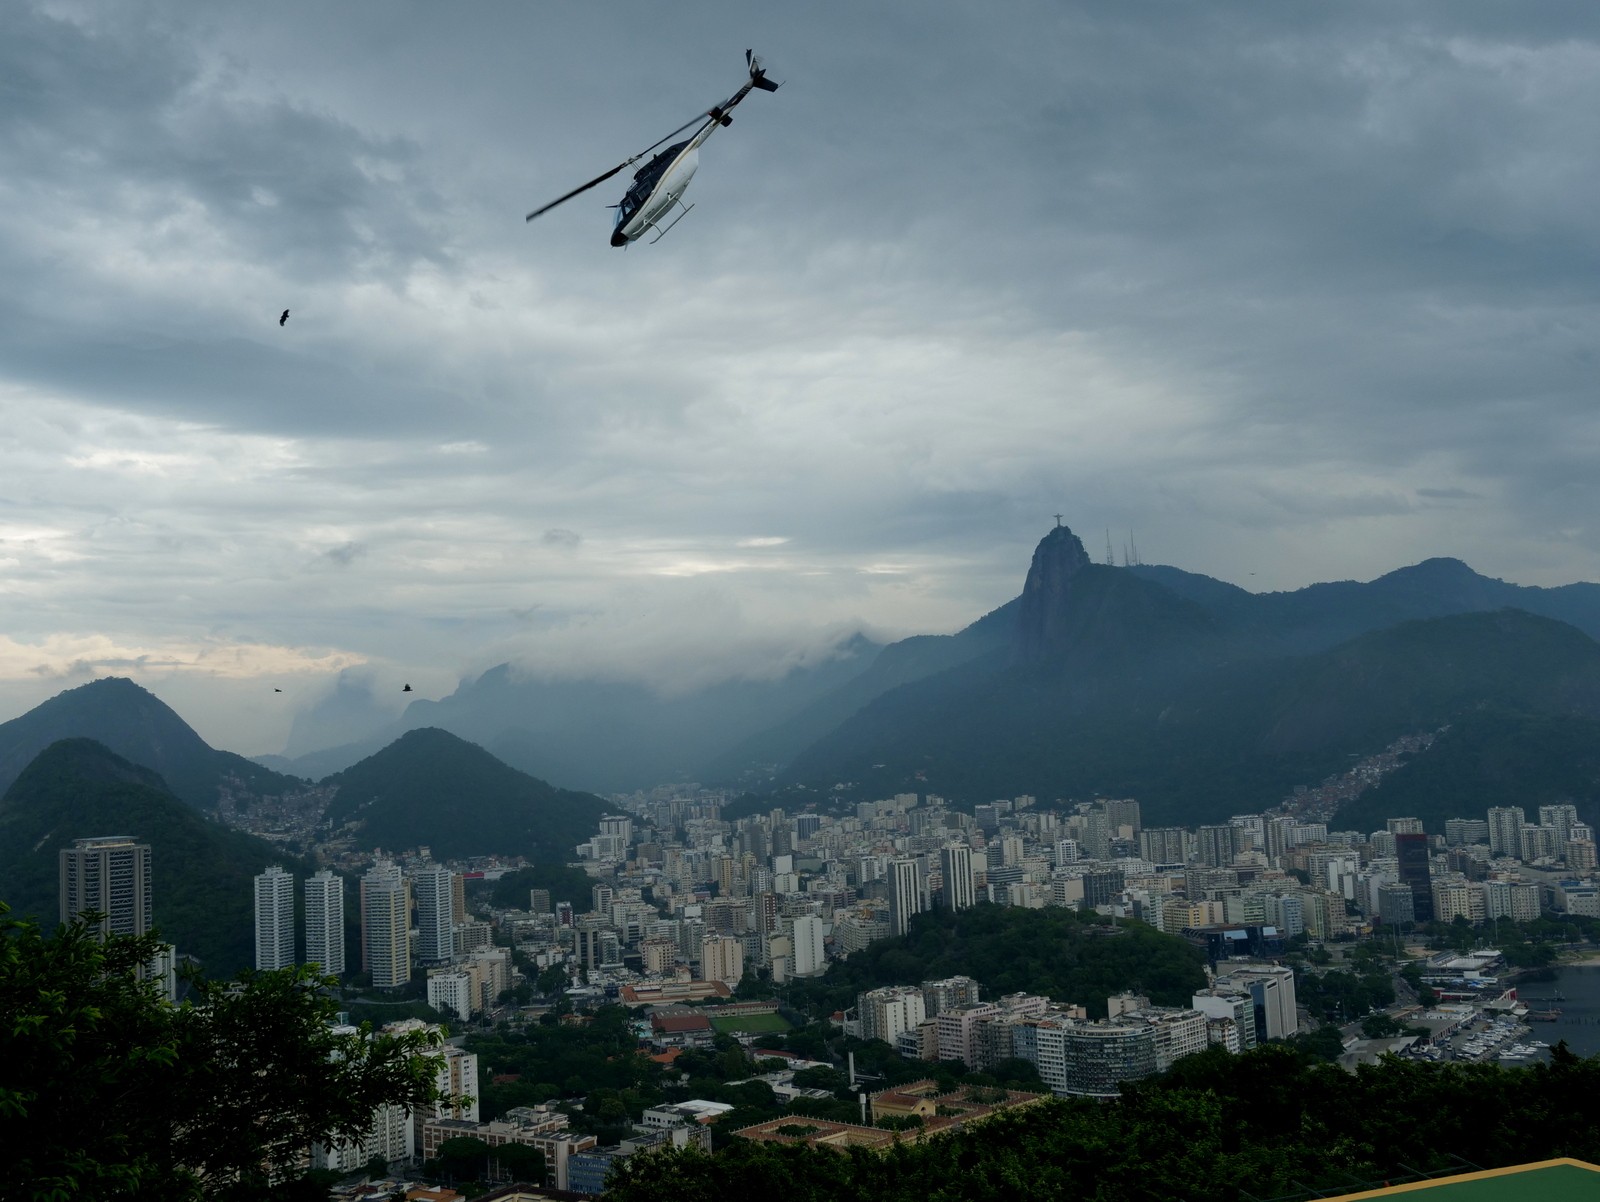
[[1217, 1127], [108, 1092]]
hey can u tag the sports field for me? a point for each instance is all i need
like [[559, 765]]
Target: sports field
[[754, 1023]]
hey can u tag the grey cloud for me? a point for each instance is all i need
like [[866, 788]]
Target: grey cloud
[[345, 553], [1233, 276]]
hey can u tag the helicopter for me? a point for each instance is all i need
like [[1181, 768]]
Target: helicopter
[[658, 186]]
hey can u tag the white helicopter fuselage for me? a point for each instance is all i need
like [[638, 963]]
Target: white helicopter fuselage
[[662, 196], [659, 185]]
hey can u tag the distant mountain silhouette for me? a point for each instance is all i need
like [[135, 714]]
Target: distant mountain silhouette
[[201, 871], [140, 727], [430, 788], [1322, 615], [1193, 698], [1082, 644]]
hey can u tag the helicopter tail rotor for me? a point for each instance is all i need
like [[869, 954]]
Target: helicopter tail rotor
[[758, 73]]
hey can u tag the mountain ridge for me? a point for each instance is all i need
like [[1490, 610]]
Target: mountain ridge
[[134, 723]]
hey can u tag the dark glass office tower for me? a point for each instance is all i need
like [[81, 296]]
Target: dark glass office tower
[[1411, 849]]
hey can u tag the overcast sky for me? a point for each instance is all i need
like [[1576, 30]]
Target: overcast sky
[[1291, 292]]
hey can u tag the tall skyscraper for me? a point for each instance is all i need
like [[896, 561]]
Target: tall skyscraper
[[905, 895], [433, 887], [274, 919], [960, 886], [386, 925], [109, 874], [325, 922], [1411, 851]]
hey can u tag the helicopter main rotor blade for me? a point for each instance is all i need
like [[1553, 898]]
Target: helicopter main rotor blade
[[600, 179], [578, 191]]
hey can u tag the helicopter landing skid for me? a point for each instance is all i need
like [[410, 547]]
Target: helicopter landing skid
[[661, 231]]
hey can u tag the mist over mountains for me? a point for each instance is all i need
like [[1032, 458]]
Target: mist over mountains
[[1091, 670], [1195, 696]]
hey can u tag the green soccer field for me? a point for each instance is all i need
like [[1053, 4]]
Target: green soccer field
[[753, 1023]]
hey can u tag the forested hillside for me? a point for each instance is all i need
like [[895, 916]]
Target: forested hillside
[[201, 872], [1063, 954]]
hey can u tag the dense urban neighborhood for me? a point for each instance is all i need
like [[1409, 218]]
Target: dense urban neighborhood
[[769, 976]]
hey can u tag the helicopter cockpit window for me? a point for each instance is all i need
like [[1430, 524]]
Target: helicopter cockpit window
[[645, 181]]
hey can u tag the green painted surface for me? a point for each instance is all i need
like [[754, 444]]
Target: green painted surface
[[1555, 1183]]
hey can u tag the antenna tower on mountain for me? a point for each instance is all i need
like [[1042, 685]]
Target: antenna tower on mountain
[[1110, 560]]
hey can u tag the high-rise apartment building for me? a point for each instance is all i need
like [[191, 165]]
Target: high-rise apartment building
[[1277, 835], [109, 874], [886, 1013], [905, 895], [960, 885], [1459, 832], [274, 919], [324, 893], [386, 925], [939, 996], [1561, 819], [810, 957], [1505, 830], [1164, 845], [1215, 846], [1097, 833], [721, 959], [433, 887], [1122, 814]]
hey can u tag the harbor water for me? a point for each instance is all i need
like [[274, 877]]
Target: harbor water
[[1576, 993]]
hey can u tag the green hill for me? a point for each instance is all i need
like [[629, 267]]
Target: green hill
[[201, 871], [1490, 757], [429, 788], [139, 726]]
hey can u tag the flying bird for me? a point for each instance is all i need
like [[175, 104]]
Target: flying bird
[[284, 318], [277, 690], [407, 689]]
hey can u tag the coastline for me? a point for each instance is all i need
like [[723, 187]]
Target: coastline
[[1586, 960]]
